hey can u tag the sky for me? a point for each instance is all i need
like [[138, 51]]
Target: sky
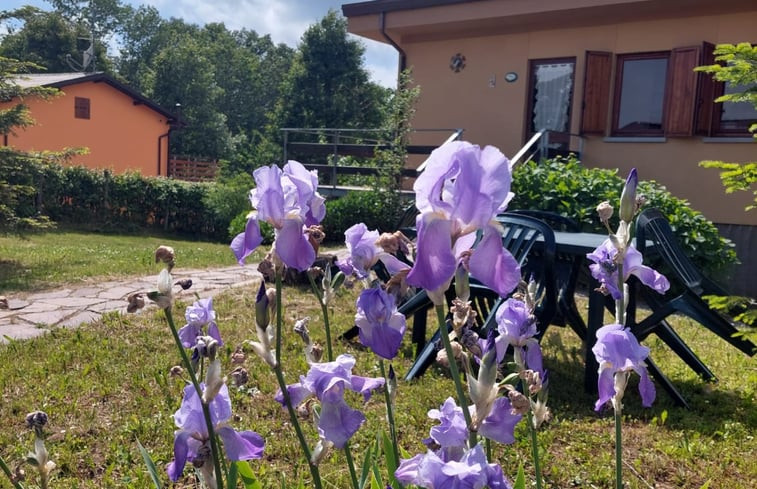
[[284, 20]]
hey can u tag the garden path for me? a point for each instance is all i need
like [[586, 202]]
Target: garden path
[[32, 314]]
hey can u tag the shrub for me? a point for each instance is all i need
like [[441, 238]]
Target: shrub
[[564, 186], [377, 209]]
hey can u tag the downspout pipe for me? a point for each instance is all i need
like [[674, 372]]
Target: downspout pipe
[[403, 56], [160, 149]]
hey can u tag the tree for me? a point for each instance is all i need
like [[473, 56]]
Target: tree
[[739, 67], [327, 85], [183, 75], [103, 18], [17, 176], [47, 40]]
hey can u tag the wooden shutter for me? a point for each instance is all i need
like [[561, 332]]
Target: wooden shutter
[[681, 92], [596, 101], [706, 107]]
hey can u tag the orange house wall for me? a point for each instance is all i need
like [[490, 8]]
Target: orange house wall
[[119, 135], [496, 115]]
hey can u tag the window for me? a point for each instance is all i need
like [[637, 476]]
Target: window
[[733, 118], [640, 94], [723, 118], [550, 100], [81, 108]]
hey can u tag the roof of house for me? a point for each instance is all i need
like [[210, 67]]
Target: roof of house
[[377, 6], [60, 80]]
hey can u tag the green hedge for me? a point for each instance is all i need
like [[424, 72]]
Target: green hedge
[[79, 196], [566, 187]]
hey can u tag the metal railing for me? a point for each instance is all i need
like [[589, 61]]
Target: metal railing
[[542, 145], [362, 143]]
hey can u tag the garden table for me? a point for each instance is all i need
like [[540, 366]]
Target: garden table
[[579, 245]]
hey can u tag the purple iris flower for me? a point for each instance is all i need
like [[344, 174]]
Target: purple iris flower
[[198, 315], [628, 197], [192, 441], [517, 327], [365, 253], [499, 425], [381, 326], [289, 201], [460, 192], [618, 352], [451, 433], [327, 381], [605, 269], [472, 471]]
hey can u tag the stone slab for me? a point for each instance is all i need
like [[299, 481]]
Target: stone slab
[[74, 301], [54, 294], [38, 306], [86, 292], [107, 306], [79, 319], [15, 304], [20, 332], [49, 317], [118, 292]]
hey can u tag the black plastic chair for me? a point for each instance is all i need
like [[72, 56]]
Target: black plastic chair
[[653, 227], [567, 270], [522, 236]]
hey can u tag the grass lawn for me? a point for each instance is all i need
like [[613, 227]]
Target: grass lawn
[[44, 260], [106, 385]]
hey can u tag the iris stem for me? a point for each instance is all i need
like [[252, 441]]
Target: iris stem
[[9, 474], [618, 450], [351, 465], [325, 312], [285, 393], [205, 409], [534, 449], [461, 399], [389, 410]]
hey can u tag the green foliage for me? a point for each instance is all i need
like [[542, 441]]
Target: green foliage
[[228, 198], [737, 66], [20, 170], [568, 188], [740, 308], [239, 222], [327, 85], [736, 177], [400, 109], [378, 210]]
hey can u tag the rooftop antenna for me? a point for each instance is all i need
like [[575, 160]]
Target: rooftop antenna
[[88, 56]]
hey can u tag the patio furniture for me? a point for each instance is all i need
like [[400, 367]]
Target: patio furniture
[[567, 269], [520, 236], [689, 284]]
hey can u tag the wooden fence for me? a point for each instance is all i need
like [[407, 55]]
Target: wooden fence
[[192, 170]]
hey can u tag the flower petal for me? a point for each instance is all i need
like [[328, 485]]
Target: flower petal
[[244, 445], [180, 451], [293, 246], [434, 264], [245, 243], [499, 425], [606, 386], [493, 265]]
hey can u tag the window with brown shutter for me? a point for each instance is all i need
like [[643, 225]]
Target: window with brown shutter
[[726, 119], [640, 90], [596, 100], [81, 108], [682, 92]]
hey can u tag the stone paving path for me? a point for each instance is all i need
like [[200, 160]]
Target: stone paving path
[[32, 314]]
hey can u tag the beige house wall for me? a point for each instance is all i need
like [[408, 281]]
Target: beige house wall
[[497, 114], [497, 37]]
